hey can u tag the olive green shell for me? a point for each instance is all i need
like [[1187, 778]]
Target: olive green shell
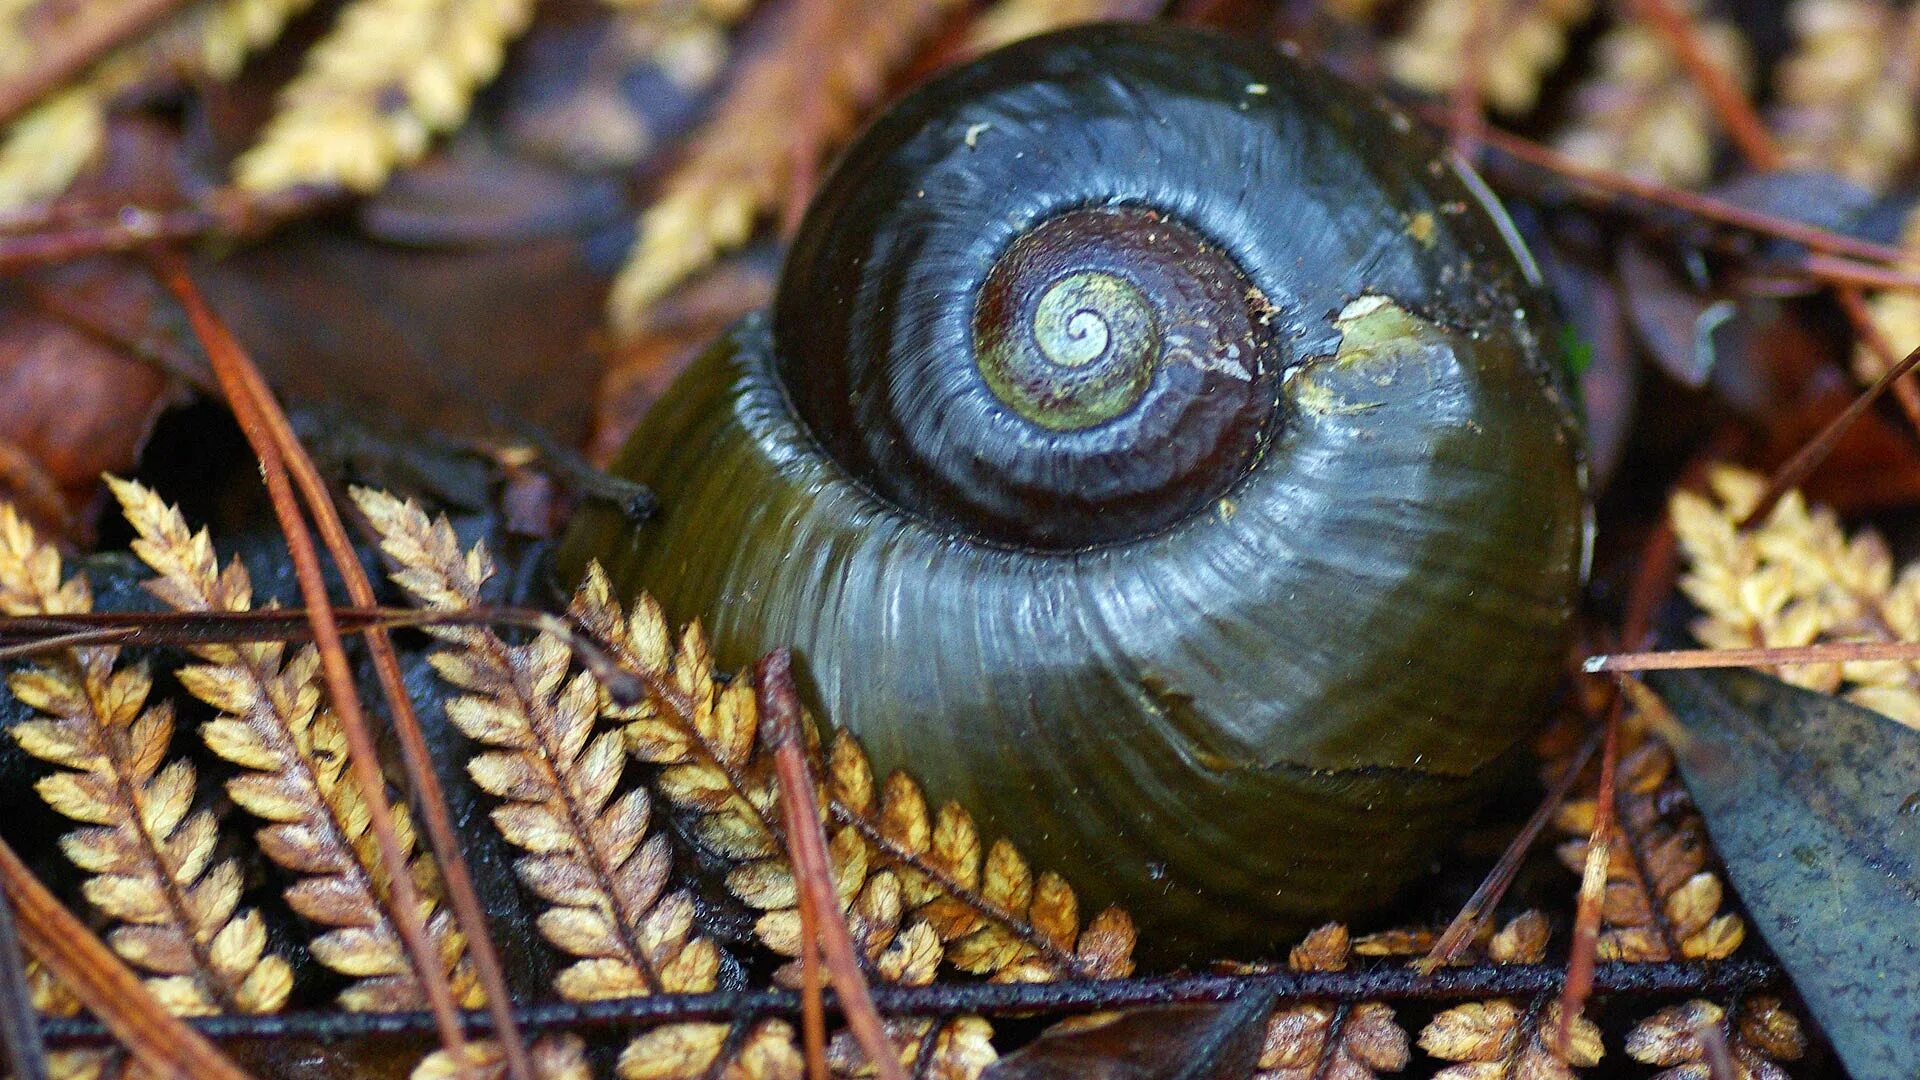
[[1270, 711]]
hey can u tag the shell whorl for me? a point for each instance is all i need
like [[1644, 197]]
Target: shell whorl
[[1156, 448]]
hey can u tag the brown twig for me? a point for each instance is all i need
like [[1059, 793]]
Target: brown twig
[[32, 635], [1585, 947], [1809, 457], [1729, 103], [1840, 652], [812, 869], [229, 212], [157, 1039], [1692, 203], [69, 53], [229, 364], [1465, 120], [1480, 906], [1713, 1047]]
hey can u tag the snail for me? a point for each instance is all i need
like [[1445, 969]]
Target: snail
[[1158, 447]]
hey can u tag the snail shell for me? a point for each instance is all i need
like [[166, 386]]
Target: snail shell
[[1157, 447]]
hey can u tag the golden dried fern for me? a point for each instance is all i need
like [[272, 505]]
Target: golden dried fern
[[387, 78], [1847, 94], [1642, 113], [1763, 1033], [589, 856], [557, 1057], [293, 757], [1325, 1039], [1524, 41], [1797, 578], [45, 148], [896, 863], [1507, 1038], [821, 66], [149, 855], [1661, 900]]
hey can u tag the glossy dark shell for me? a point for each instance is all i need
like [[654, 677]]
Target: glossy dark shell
[[1266, 712]]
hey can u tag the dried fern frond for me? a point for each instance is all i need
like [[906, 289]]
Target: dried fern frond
[[1524, 41], [823, 65], [1661, 901], [148, 853], [896, 863], [1796, 578], [293, 757], [556, 1057], [387, 78], [1763, 1034], [1848, 92], [1503, 1037], [1320, 1039], [693, 1052], [1008, 21], [46, 147], [589, 853], [1642, 113]]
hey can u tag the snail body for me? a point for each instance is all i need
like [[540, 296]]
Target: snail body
[[1155, 446]]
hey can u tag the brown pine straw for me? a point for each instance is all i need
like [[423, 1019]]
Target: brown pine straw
[[67, 55], [1479, 907], [1842, 652], [1809, 457], [1466, 123], [779, 702], [1593, 889], [283, 464], [1729, 103], [158, 1040], [1757, 146], [1692, 203]]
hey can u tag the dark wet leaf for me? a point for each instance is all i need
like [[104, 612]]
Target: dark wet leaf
[[1810, 801], [1172, 1042]]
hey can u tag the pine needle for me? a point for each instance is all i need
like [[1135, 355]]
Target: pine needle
[[373, 93], [149, 854]]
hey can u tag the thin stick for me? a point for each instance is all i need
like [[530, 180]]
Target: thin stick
[[1466, 121], [1841, 652], [38, 634], [1585, 947], [812, 869], [1809, 457], [228, 212], [1480, 906], [1729, 103], [26, 1051], [228, 366], [71, 52], [157, 1039], [1688, 202]]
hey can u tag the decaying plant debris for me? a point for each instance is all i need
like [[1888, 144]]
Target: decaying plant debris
[[198, 805]]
